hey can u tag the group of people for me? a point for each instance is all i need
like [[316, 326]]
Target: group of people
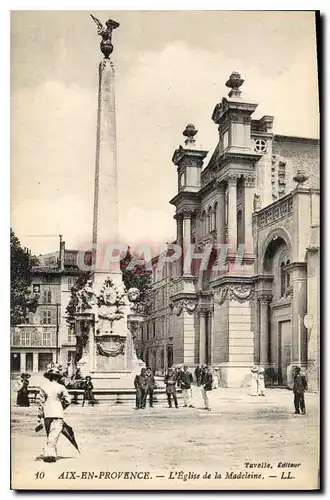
[[76, 382], [299, 387], [79, 382], [144, 384], [257, 387]]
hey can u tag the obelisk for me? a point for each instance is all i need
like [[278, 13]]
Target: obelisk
[[105, 220], [106, 346]]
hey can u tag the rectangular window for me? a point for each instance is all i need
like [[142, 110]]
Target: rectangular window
[[154, 329], [46, 317], [26, 338], [47, 297], [46, 338], [71, 336]]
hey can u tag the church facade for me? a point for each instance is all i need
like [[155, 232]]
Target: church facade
[[254, 209]]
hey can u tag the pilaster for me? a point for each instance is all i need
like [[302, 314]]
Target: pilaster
[[298, 282], [232, 214], [264, 300], [221, 236]]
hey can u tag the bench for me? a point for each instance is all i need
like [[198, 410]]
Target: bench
[[116, 395]]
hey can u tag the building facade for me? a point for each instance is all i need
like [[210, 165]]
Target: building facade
[[254, 209], [46, 337]]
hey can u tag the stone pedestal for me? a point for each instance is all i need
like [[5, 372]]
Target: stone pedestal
[[233, 345], [110, 360]]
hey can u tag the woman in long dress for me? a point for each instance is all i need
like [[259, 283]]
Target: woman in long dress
[[261, 381], [254, 381], [23, 394], [53, 400], [17, 387]]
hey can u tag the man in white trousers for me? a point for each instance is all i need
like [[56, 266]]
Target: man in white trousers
[[206, 386], [186, 379]]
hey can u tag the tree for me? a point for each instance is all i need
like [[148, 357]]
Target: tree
[[21, 300], [73, 302], [138, 277]]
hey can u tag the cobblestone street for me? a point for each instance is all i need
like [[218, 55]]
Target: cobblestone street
[[116, 438]]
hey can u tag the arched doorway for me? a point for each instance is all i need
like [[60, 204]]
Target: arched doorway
[[275, 311]]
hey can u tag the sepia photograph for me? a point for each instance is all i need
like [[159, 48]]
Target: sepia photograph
[[165, 250]]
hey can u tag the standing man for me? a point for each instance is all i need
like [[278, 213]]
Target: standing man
[[206, 386], [150, 388], [140, 384], [170, 382], [198, 375], [186, 380], [299, 387]]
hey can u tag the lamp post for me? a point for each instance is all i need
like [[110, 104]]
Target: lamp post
[[57, 332]]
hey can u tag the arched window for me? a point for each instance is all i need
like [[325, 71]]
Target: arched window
[[203, 224], [209, 220], [215, 222], [283, 280], [240, 228], [287, 278]]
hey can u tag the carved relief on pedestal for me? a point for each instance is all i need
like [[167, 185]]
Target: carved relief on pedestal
[[188, 305], [238, 292]]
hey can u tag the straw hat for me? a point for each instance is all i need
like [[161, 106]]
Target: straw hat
[[53, 370], [254, 369], [261, 369]]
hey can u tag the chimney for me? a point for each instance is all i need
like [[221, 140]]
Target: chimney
[[62, 253]]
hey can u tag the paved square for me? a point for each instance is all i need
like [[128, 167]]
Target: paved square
[[162, 442]]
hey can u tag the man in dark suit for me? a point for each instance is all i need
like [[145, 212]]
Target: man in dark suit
[[299, 387], [140, 384], [150, 388]]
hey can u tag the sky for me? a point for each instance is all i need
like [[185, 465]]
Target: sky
[[171, 68]]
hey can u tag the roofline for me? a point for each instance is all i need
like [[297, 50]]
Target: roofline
[[294, 138]]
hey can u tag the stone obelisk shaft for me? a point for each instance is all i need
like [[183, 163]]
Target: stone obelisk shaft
[[106, 222]]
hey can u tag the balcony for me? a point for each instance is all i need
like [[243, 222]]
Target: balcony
[[33, 336], [274, 212]]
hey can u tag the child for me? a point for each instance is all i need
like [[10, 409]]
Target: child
[[261, 381], [254, 381], [53, 399], [88, 394]]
